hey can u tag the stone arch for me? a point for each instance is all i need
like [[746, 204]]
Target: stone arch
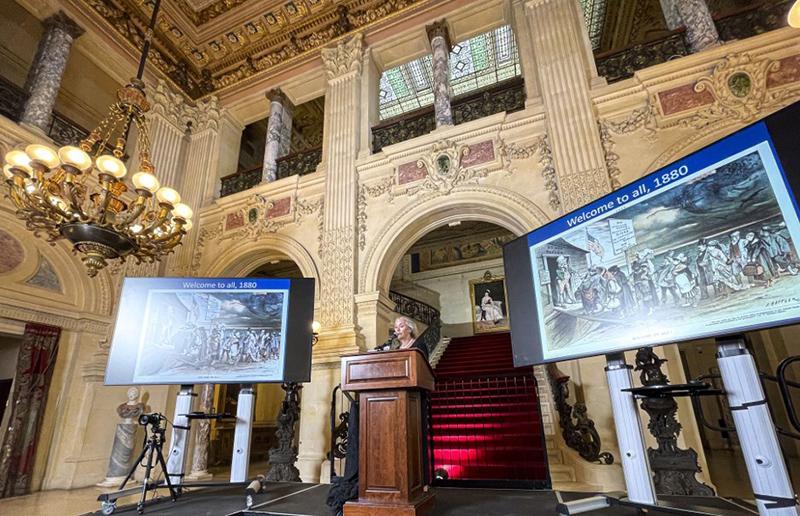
[[239, 260], [84, 294], [692, 143], [503, 208]]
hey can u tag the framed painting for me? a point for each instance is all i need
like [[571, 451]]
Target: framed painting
[[489, 304]]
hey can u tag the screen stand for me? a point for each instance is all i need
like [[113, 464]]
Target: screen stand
[[241, 436], [176, 461], [762, 453]]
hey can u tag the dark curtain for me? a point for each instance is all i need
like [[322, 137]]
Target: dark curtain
[[37, 355]]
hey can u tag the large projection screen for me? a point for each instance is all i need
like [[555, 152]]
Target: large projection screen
[[212, 330], [706, 246]]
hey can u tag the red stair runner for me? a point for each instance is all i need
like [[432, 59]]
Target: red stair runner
[[485, 414]]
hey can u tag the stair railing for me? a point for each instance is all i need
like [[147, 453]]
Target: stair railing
[[423, 313], [577, 428]]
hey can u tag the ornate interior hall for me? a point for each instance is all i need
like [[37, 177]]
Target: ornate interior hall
[[387, 149]]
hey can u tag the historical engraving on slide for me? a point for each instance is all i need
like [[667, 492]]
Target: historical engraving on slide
[[693, 253], [220, 335]]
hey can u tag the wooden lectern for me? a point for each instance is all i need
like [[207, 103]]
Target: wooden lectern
[[390, 445]]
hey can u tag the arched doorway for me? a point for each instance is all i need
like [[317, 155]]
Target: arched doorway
[[268, 396], [485, 424]]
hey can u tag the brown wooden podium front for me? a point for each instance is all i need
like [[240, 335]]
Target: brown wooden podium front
[[390, 445]]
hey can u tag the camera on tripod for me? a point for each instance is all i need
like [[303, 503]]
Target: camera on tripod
[[151, 419]]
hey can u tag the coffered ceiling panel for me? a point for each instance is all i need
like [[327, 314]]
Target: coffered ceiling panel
[[205, 46]]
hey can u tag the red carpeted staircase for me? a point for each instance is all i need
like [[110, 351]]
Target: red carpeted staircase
[[485, 419]]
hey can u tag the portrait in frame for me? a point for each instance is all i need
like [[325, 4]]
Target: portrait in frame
[[489, 304]]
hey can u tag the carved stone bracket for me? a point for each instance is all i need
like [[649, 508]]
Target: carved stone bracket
[[673, 468]]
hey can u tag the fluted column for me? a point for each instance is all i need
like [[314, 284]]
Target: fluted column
[[527, 59], [440, 45], [341, 143], [565, 71], [701, 32], [279, 133], [44, 76], [198, 170], [167, 127]]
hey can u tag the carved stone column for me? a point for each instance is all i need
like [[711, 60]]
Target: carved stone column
[[279, 133], [44, 76], [527, 59], [167, 125], [701, 32], [197, 169], [440, 45], [566, 70], [673, 468], [202, 436], [671, 14], [340, 148]]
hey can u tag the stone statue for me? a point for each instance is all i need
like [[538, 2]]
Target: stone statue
[[124, 439]]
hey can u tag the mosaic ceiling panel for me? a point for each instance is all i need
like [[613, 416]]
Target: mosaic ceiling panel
[[205, 46]]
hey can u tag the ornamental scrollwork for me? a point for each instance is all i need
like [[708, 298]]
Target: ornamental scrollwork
[[445, 170], [541, 146], [739, 86], [367, 192]]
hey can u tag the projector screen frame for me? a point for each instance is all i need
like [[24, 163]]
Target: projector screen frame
[[296, 327], [517, 253]]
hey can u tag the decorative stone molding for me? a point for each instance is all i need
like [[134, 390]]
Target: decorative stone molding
[[337, 274], [78, 324], [344, 58], [541, 146], [738, 84]]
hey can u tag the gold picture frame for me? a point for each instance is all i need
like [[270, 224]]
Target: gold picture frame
[[489, 304]]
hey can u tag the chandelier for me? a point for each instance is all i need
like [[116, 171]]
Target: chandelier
[[80, 193]]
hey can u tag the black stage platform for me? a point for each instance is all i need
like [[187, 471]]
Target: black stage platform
[[295, 499]]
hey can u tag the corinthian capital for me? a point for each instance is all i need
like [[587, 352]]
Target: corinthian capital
[[344, 58]]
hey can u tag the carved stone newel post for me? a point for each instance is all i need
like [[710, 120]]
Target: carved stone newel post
[[124, 439], [44, 76], [673, 468]]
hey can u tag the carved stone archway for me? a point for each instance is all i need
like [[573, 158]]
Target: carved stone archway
[[241, 260], [486, 204]]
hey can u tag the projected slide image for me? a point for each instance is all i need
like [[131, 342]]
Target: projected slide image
[[194, 334], [703, 251]]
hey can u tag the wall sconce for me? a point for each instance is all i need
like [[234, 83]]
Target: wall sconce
[[794, 15], [315, 327]]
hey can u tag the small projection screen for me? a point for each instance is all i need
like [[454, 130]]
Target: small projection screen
[[212, 330], [704, 247]]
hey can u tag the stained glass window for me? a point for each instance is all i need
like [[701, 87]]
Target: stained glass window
[[484, 60], [475, 63], [406, 87], [594, 13]]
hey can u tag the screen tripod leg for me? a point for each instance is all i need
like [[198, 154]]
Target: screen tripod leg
[[760, 447]]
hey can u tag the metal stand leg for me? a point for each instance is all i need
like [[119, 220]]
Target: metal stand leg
[[176, 462], [635, 463], [762, 453], [241, 436]]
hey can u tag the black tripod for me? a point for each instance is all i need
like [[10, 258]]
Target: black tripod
[[154, 441]]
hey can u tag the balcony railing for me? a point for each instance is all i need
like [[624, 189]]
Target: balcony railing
[[505, 96], [295, 164], [299, 163], [61, 130], [240, 181], [616, 65]]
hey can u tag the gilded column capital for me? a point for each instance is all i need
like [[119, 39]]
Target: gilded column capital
[[344, 58], [438, 29], [60, 21]]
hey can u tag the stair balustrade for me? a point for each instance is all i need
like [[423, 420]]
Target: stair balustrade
[[422, 312], [577, 428]]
